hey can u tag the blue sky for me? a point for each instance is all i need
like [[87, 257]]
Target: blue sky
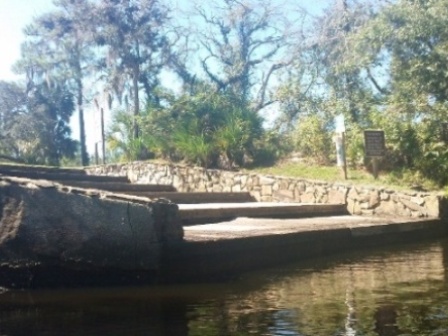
[[16, 14]]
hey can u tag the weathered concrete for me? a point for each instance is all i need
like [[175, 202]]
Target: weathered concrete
[[53, 234], [226, 249], [47, 226], [8, 168], [62, 176], [120, 187], [199, 197], [209, 213]]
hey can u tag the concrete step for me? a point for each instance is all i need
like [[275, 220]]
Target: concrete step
[[13, 168], [210, 252], [211, 213], [198, 197], [62, 177], [57, 174], [124, 188]]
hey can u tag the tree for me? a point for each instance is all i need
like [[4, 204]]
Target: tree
[[35, 123], [407, 41], [132, 37], [12, 106], [58, 47], [240, 38]]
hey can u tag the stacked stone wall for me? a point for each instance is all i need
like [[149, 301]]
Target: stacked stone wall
[[360, 200]]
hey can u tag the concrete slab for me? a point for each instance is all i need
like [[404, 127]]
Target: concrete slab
[[199, 197], [226, 249], [208, 213], [256, 227], [145, 190]]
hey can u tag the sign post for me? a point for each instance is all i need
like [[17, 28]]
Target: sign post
[[339, 140], [375, 147], [445, 132]]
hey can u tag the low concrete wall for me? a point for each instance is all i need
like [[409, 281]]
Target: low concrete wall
[[360, 200], [47, 230]]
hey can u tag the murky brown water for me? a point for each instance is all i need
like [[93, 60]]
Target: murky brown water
[[388, 292]]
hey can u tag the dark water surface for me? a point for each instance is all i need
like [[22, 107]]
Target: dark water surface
[[393, 291]]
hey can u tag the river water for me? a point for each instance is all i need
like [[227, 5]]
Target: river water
[[393, 291]]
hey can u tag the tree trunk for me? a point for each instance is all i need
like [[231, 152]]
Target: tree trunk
[[136, 102], [82, 131]]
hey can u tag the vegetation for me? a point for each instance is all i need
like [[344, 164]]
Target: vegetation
[[250, 83]]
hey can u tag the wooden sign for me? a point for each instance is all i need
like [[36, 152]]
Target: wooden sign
[[374, 143]]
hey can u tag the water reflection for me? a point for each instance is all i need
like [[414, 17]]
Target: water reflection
[[399, 291]]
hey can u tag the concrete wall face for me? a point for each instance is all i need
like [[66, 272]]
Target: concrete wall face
[[48, 224], [360, 200]]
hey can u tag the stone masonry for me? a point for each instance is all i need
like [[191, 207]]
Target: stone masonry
[[360, 200]]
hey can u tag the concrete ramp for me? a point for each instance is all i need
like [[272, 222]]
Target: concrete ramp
[[212, 213]]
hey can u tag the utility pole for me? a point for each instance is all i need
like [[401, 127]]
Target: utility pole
[[103, 142]]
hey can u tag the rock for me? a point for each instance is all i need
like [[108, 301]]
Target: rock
[[236, 188], [336, 197], [256, 194], [410, 205], [384, 196], [307, 198], [266, 190], [353, 194], [267, 180], [365, 206], [301, 186], [284, 184], [244, 179], [374, 199], [353, 207], [284, 196], [432, 205], [386, 207], [217, 188], [418, 200]]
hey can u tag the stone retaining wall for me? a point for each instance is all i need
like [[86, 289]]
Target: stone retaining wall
[[360, 200]]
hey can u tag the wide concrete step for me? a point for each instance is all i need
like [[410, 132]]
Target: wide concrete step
[[212, 213], [8, 169], [198, 197], [62, 177], [123, 187]]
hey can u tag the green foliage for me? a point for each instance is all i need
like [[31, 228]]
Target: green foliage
[[313, 139], [206, 128], [120, 139], [382, 66], [131, 36], [271, 147], [354, 145], [56, 50], [192, 146], [34, 126]]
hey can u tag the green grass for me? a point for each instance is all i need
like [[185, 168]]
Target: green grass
[[401, 180]]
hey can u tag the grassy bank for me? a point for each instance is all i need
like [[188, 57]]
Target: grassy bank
[[394, 179]]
